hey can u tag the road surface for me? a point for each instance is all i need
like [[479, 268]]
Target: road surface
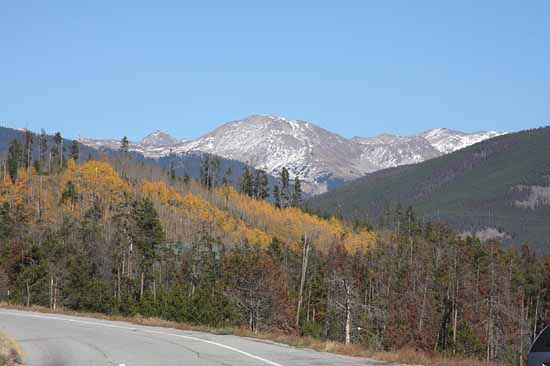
[[59, 340]]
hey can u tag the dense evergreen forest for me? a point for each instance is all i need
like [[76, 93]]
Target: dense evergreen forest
[[500, 185], [119, 237]]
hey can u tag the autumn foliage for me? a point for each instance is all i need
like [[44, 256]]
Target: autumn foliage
[[118, 237]]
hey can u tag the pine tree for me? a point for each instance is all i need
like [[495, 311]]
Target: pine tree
[[227, 177], [70, 194], [204, 173], [171, 170], [60, 148], [37, 166], [15, 159], [246, 183], [297, 193], [186, 177], [6, 224], [124, 145], [43, 148], [209, 171], [29, 140], [215, 171], [75, 150], [277, 196], [148, 236], [285, 187], [262, 185]]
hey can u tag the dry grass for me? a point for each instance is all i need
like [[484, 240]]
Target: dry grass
[[10, 353], [401, 357]]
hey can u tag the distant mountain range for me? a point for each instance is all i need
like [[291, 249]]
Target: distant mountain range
[[320, 158], [499, 188], [186, 163]]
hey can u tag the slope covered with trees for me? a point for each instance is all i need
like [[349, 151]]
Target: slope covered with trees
[[46, 150], [499, 187], [118, 236]]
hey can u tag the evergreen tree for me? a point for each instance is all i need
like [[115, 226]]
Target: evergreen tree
[[186, 177], [60, 148], [124, 145], [209, 171], [277, 196], [172, 170], [148, 236], [228, 177], [6, 224], [75, 150], [29, 140], [204, 173], [54, 152], [70, 194], [262, 185], [15, 157], [246, 183], [215, 171], [297, 193], [37, 166], [43, 147], [285, 187]]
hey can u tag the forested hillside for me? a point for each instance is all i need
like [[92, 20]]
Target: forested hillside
[[497, 188], [46, 150], [119, 237]]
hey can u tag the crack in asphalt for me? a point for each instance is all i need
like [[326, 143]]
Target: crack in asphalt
[[100, 351]]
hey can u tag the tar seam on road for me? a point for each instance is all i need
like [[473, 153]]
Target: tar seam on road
[[147, 331]]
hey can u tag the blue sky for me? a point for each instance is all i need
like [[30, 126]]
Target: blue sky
[[111, 68]]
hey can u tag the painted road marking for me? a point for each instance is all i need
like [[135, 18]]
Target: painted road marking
[[145, 331]]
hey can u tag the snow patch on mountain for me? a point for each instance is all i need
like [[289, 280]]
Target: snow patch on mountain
[[315, 155], [447, 141], [158, 139]]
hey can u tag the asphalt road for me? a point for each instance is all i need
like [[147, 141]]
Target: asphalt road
[[51, 339]]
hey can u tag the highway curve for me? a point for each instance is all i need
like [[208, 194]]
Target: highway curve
[[52, 339]]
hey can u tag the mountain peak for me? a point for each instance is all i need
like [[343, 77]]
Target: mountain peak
[[158, 139], [319, 157]]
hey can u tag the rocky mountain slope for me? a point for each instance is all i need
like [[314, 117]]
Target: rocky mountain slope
[[322, 159]]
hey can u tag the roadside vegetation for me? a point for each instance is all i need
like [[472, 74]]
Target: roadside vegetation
[[10, 353], [130, 241]]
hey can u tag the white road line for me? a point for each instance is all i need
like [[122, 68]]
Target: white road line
[[145, 331]]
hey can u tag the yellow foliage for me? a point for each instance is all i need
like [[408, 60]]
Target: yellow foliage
[[292, 224], [6, 189], [203, 212], [95, 180], [224, 213], [360, 241]]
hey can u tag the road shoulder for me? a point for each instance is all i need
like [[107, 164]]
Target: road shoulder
[[10, 352]]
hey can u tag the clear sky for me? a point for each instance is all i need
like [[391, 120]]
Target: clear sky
[[111, 68]]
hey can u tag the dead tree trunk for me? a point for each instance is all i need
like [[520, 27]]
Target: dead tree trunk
[[55, 295], [348, 312], [305, 255], [141, 285], [28, 294], [51, 292]]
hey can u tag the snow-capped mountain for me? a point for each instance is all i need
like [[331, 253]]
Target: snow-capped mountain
[[386, 151], [446, 141], [320, 158], [158, 139]]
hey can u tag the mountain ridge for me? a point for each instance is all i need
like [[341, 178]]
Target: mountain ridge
[[498, 188], [321, 158]]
